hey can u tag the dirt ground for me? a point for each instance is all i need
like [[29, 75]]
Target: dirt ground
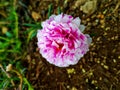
[[99, 69]]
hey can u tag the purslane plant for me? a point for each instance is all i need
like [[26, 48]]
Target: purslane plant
[[61, 41]]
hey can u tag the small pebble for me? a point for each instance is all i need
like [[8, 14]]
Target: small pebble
[[88, 19], [74, 88], [118, 57], [105, 34], [98, 61], [104, 12], [106, 67], [86, 80], [96, 87], [97, 20], [116, 37], [102, 64], [107, 28], [83, 70], [102, 26], [95, 81], [100, 78], [91, 73], [114, 60], [114, 50], [94, 23], [89, 24], [70, 71], [98, 39], [93, 16], [69, 76], [102, 21], [68, 86], [113, 38], [92, 82], [102, 16]]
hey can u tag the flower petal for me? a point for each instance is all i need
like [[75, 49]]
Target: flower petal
[[61, 41], [77, 21]]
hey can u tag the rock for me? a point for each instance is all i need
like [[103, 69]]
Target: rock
[[89, 7], [78, 3]]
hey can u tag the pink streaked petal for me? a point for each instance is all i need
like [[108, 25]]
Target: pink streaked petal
[[70, 17], [58, 18], [66, 19], [61, 41], [52, 16], [82, 37]]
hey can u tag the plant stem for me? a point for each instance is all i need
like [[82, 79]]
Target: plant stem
[[13, 84]]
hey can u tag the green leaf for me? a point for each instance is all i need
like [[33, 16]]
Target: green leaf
[[50, 10], [3, 4], [59, 10], [92, 34], [8, 34], [4, 83], [28, 84], [29, 25], [31, 34]]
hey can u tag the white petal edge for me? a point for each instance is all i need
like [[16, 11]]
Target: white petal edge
[[77, 21], [89, 39], [82, 28]]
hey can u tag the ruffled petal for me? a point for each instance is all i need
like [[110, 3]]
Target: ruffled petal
[[61, 41], [77, 21]]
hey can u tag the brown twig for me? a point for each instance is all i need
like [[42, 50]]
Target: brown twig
[[13, 84], [21, 79], [117, 6]]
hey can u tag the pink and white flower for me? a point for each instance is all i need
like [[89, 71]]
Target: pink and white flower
[[61, 41]]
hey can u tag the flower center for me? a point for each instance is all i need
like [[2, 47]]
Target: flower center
[[60, 45]]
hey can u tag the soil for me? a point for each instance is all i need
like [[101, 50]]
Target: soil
[[99, 69]]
